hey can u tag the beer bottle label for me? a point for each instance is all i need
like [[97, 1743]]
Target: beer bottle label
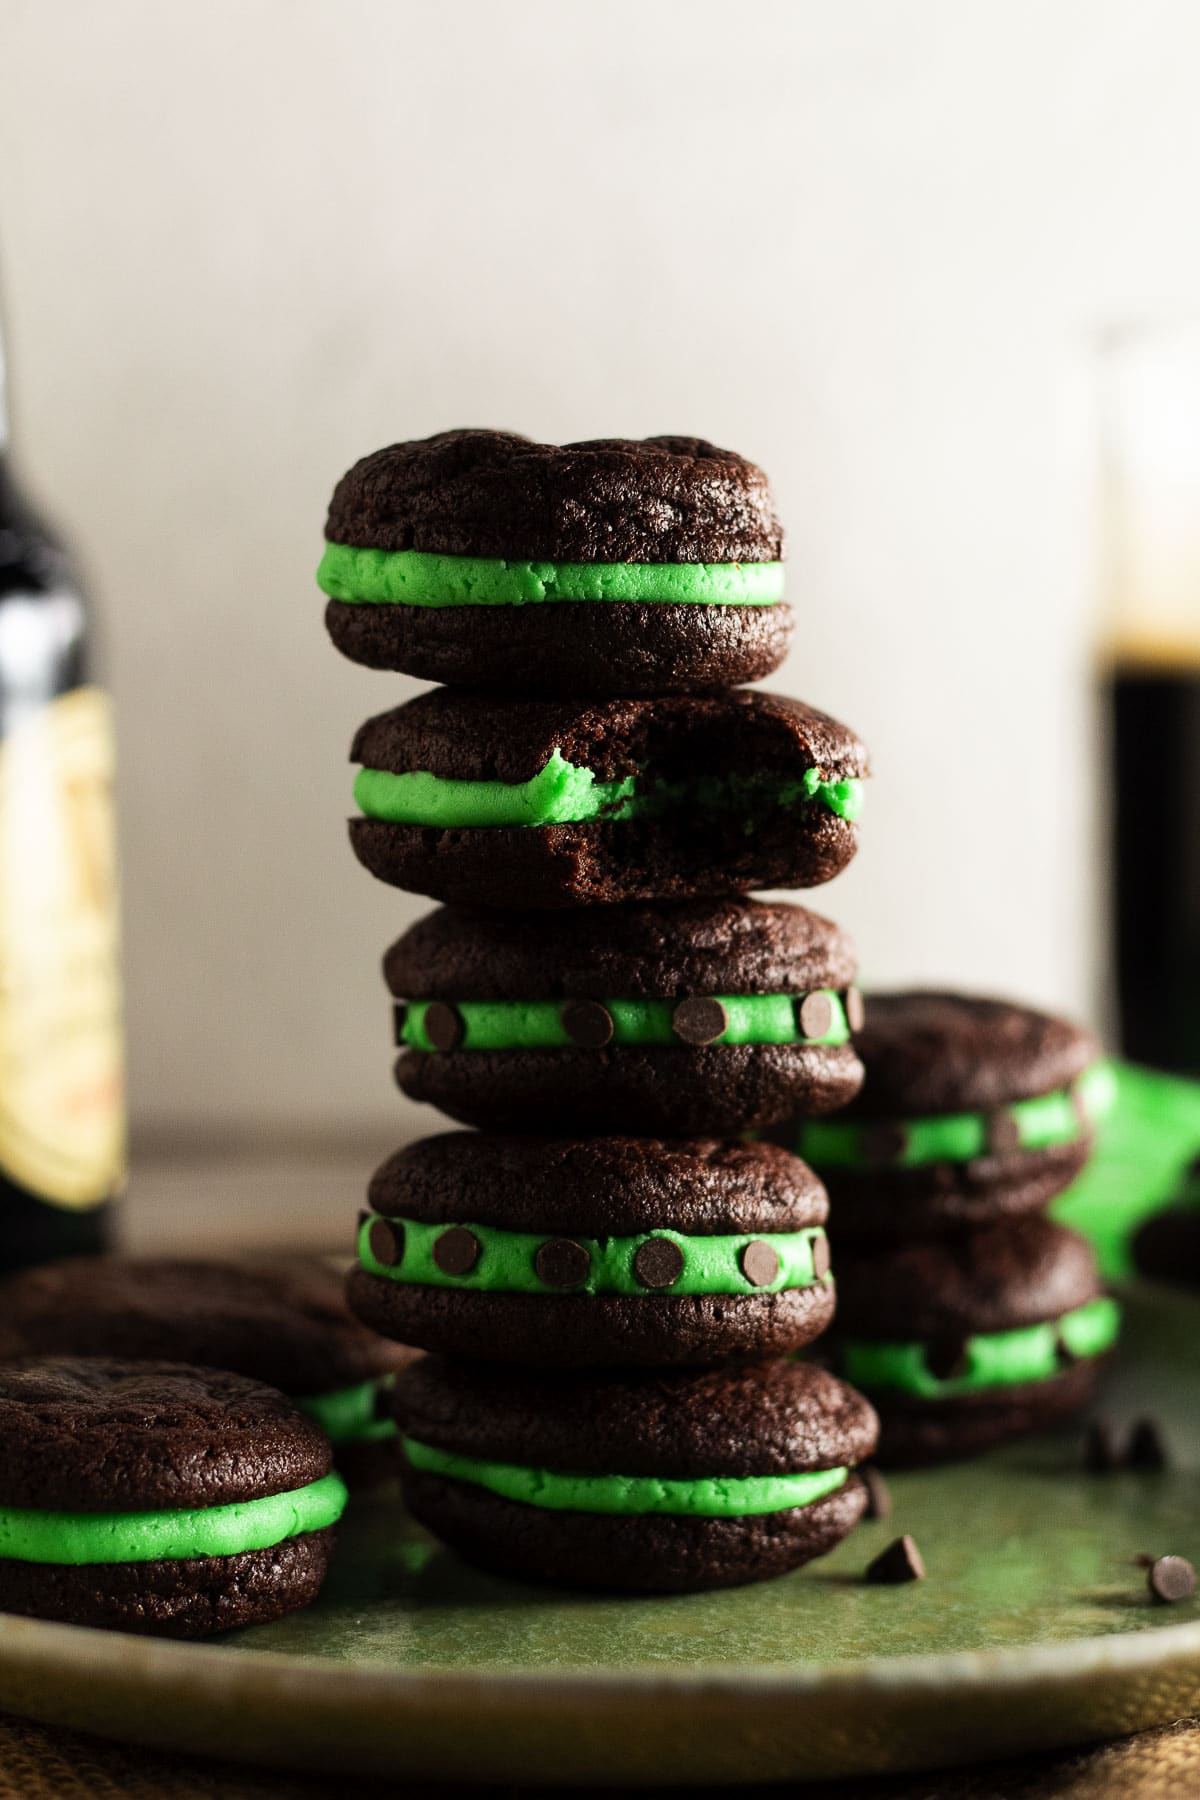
[[61, 1077]]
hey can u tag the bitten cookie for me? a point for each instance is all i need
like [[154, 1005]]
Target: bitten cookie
[[621, 566], [967, 1342], [157, 1498], [548, 803], [664, 1482], [284, 1322], [702, 1018], [594, 1252], [972, 1110]]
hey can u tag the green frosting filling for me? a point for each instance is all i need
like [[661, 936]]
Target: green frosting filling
[[1042, 1122], [505, 1265], [707, 1497], [348, 1415], [998, 1359], [537, 1024], [422, 578], [31, 1535], [562, 793]]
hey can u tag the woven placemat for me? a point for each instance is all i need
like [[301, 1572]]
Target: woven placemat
[[38, 1763]]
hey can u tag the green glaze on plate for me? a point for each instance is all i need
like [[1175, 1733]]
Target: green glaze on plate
[[1033, 1630]]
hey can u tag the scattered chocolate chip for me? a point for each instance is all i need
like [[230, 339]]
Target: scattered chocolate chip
[[1101, 1453], [901, 1561], [1002, 1132], [658, 1263], [699, 1021], [946, 1358], [879, 1495], [587, 1024], [399, 1014], [820, 1256], [760, 1263], [456, 1251], [1170, 1578], [1147, 1447], [385, 1241], [814, 1015], [562, 1263], [443, 1025], [856, 1012], [883, 1144]]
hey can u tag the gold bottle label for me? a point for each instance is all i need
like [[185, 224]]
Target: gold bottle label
[[62, 1109]]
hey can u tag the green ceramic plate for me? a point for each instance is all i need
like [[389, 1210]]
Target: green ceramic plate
[[1033, 1630]]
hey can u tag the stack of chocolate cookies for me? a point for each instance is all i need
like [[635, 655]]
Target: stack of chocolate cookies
[[967, 1315], [612, 1279]]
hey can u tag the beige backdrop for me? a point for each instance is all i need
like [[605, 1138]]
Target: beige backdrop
[[245, 241]]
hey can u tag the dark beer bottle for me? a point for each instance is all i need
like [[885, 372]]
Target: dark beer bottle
[[61, 1092]]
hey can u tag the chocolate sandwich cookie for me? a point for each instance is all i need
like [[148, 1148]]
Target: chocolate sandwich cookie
[[698, 1018], [550, 803], [594, 1252], [284, 1322], [615, 567], [972, 1110], [975, 1339], [156, 1498], [664, 1482]]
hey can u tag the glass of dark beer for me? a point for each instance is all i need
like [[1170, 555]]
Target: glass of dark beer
[[1150, 423]]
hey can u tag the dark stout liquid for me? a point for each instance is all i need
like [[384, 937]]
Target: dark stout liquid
[[1156, 861]]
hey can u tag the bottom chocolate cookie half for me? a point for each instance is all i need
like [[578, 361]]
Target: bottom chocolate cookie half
[[652, 1553], [596, 1331], [915, 1433], [610, 647], [190, 1597]]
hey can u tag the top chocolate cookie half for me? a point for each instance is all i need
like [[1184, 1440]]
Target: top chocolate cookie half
[[283, 1322], [616, 566]]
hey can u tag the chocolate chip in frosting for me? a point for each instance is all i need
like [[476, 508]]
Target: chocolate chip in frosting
[[562, 1263], [658, 1263], [699, 1021], [385, 1241], [760, 1264], [814, 1015], [884, 1144], [946, 1358], [856, 1016], [587, 1024], [456, 1251], [443, 1025], [1002, 1132]]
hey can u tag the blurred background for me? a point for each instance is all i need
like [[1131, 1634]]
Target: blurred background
[[871, 245]]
